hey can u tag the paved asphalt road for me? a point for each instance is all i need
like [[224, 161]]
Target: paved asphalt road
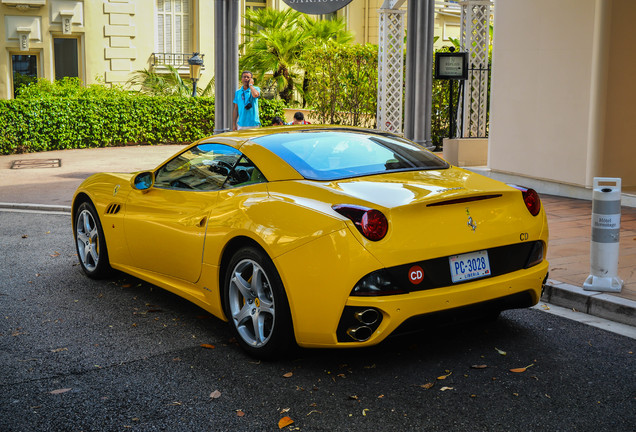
[[119, 355]]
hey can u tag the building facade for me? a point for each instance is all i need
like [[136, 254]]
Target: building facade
[[107, 40], [563, 91], [100, 40]]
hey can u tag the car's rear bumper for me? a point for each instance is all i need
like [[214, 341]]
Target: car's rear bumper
[[408, 312]]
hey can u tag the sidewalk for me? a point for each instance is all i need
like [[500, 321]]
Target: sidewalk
[[37, 182]]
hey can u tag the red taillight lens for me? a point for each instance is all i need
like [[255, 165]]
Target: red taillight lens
[[531, 198], [371, 223], [374, 225]]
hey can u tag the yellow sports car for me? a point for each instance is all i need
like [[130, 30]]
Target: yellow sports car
[[320, 236]]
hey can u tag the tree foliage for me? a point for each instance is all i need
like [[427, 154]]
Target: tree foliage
[[343, 83], [152, 83], [276, 41]]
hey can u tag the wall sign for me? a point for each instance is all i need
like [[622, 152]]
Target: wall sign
[[451, 65], [317, 7]]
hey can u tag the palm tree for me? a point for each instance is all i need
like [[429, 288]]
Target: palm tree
[[260, 19], [276, 51], [170, 84], [277, 39], [326, 32], [275, 46]]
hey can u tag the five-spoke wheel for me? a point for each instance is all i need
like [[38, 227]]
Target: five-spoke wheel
[[89, 239], [256, 305]]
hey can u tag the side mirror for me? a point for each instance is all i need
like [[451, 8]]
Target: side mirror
[[143, 181]]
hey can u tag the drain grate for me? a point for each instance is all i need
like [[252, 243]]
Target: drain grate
[[36, 163]]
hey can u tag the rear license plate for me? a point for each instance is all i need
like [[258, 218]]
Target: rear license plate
[[469, 266]]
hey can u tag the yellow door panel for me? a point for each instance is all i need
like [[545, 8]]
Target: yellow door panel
[[165, 230]]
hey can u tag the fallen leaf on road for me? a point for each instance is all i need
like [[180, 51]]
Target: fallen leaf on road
[[364, 411], [208, 346], [288, 374], [443, 377], [215, 394], [427, 385], [482, 366], [501, 351], [59, 350], [55, 254], [240, 413], [60, 391], [284, 422], [446, 388], [520, 370]]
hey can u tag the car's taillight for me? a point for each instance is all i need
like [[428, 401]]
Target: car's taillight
[[370, 222], [531, 199]]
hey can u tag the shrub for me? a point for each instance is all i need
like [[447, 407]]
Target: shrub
[[32, 125], [270, 108], [64, 115], [343, 84]]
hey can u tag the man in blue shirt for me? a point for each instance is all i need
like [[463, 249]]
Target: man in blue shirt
[[245, 113]]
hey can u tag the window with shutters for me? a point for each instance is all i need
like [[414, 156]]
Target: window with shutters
[[173, 33]]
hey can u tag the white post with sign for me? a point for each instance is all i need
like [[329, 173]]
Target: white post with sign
[[604, 247]]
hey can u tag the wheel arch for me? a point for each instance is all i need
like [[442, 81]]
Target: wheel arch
[[233, 246], [79, 199]]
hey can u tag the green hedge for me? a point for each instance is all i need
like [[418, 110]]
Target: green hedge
[[35, 125]]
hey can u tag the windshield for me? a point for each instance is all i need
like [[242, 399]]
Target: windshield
[[334, 155]]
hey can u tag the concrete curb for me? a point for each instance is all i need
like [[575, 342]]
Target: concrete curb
[[36, 207], [594, 303]]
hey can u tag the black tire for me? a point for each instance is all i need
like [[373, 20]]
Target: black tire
[[256, 306], [90, 243]]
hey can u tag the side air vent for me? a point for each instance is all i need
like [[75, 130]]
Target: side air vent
[[463, 200], [113, 209]]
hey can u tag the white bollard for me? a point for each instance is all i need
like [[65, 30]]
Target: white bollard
[[604, 247]]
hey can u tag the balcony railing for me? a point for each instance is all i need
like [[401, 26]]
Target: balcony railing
[[175, 60]]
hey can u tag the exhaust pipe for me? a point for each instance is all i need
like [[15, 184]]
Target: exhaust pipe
[[367, 316], [361, 333]]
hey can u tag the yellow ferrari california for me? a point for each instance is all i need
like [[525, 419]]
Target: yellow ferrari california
[[319, 236]]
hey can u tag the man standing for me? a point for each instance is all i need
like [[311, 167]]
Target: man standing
[[245, 113]]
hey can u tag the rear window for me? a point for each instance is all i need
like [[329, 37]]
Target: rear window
[[334, 155]]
